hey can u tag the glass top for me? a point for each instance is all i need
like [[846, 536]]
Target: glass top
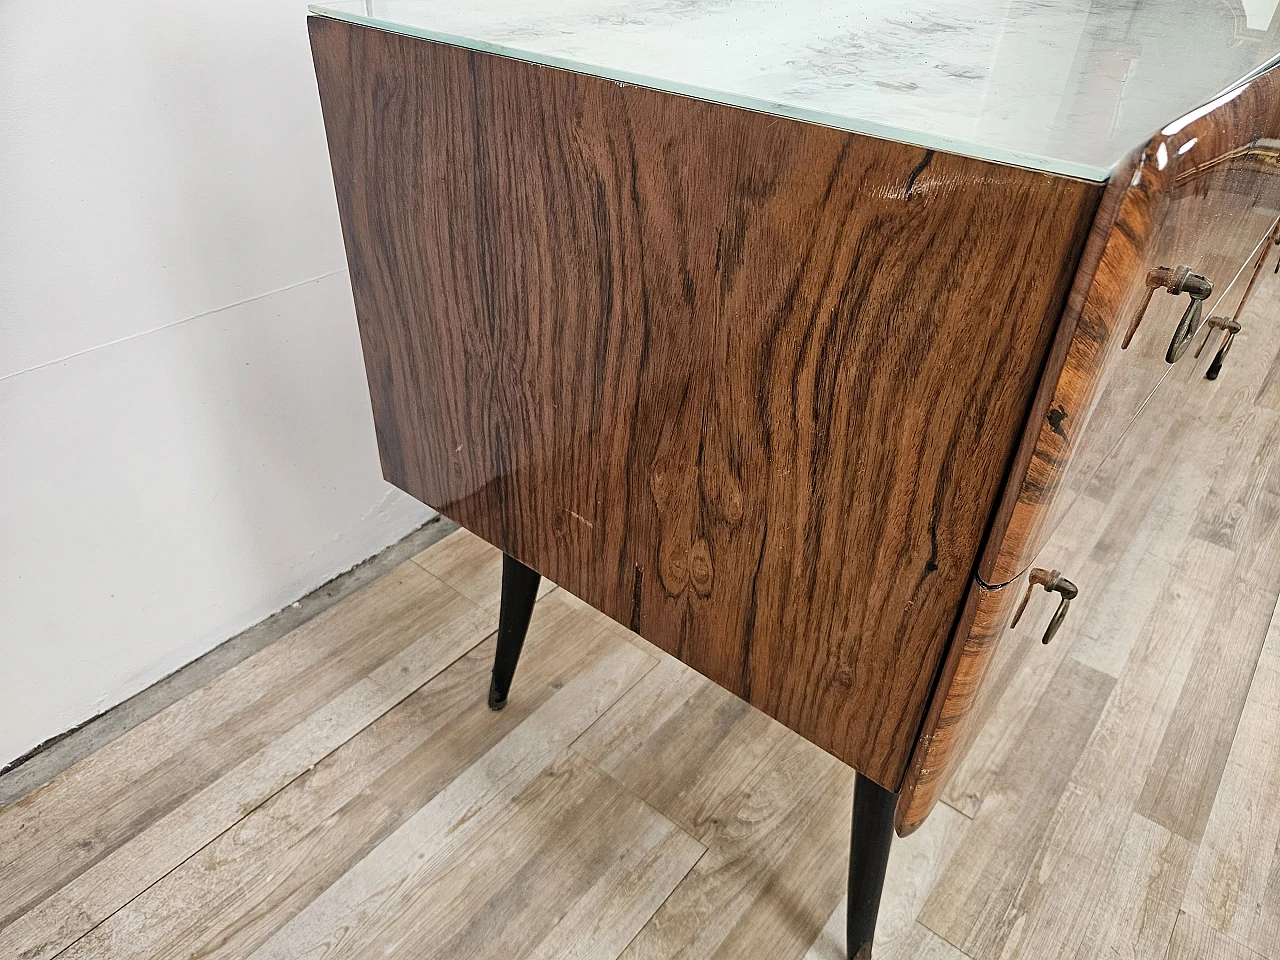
[[1066, 86]]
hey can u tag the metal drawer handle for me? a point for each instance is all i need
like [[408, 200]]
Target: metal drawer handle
[[1053, 582], [1231, 328], [1177, 281]]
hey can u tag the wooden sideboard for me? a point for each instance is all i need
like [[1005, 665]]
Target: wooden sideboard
[[799, 405]]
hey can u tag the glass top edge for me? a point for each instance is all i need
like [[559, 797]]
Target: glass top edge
[[1249, 77], [945, 144]]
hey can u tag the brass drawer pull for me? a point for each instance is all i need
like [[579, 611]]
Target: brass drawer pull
[[1231, 328], [1176, 281], [1053, 582]]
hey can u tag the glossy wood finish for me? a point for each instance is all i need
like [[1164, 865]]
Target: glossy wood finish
[[974, 675], [747, 385], [1212, 206], [1206, 195]]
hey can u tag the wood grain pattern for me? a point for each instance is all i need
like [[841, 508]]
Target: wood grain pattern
[[1180, 790], [388, 885], [1090, 850], [969, 908], [744, 785], [1138, 909], [1124, 538], [1194, 940], [1023, 682], [467, 564], [1114, 552], [184, 748], [1212, 206], [1120, 542], [749, 386], [611, 853], [968, 689], [228, 899], [769, 807], [914, 868]]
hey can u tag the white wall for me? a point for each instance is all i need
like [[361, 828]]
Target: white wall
[[185, 437]]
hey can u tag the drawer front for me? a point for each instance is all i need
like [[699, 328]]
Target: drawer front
[[1213, 206], [995, 647], [1205, 196], [1095, 531]]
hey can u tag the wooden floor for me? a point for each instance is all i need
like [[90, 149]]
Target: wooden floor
[[345, 792]]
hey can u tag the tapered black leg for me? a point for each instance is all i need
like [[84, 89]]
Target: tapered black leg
[[519, 590], [868, 855]]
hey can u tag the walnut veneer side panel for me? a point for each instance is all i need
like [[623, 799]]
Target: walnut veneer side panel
[[1205, 193], [749, 386]]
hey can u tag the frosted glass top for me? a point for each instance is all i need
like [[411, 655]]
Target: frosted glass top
[[1068, 86]]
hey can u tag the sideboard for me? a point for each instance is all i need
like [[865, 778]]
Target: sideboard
[[787, 349]]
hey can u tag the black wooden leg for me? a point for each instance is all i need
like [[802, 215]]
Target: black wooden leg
[[519, 590], [868, 855]]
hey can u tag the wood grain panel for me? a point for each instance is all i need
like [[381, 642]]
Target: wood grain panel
[[1194, 940], [53, 836], [1205, 194], [1108, 880], [1242, 515], [389, 882], [226, 900], [467, 564], [747, 385], [1103, 881]]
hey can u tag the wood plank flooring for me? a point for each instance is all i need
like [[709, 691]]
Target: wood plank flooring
[[344, 792]]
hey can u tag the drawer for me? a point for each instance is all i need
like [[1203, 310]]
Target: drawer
[[1203, 195], [1217, 216], [1089, 546]]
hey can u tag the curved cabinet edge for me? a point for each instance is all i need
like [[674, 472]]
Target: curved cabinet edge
[[1111, 260], [1110, 280], [1226, 157], [953, 720]]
